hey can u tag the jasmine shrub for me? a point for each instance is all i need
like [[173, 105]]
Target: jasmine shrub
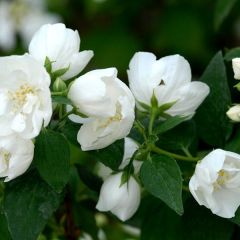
[[79, 151]]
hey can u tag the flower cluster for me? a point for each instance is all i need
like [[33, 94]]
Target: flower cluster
[[104, 106]]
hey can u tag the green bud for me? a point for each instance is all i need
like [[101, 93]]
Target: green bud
[[59, 85]]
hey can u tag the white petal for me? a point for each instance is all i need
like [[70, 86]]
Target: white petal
[[111, 193], [141, 82], [174, 70], [19, 123], [129, 202], [77, 63], [130, 146], [189, 97], [236, 68]]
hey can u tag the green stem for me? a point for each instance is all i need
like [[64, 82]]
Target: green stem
[[151, 121], [173, 155], [62, 119]]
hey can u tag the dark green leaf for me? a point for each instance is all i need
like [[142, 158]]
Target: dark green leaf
[[182, 136], [61, 100], [111, 156], [4, 233], [212, 123], [199, 223], [52, 157], [234, 144], [169, 124], [222, 10], [89, 179], [70, 130], [232, 53], [28, 204], [161, 224], [162, 178]]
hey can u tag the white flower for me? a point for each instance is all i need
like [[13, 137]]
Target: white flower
[[234, 113], [169, 78], [23, 17], [108, 103], [16, 155], [216, 182], [236, 68], [123, 201], [130, 146], [61, 45], [25, 98]]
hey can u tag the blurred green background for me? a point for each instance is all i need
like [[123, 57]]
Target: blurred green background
[[116, 29]]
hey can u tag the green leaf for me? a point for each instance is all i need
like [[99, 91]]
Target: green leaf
[[111, 156], [162, 178], [60, 72], [70, 130], [222, 10], [52, 158], [212, 123], [89, 179], [28, 204], [169, 124], [48, 65], [199, 223], [182, 136], [159, 223], [232, 53], [4, 233], [62, 100], [233, 144]]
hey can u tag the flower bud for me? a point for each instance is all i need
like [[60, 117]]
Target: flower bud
[[234, 113], [121, 199], [236, 68], [59, 85]]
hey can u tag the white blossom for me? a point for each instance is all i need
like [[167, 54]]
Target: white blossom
[[169, 78], [16, 155], [216, 182], [61, 45], [22, 17], [130, 146], [236, 68], [25, 98], [234, 113], [122, 200], [109, 105]]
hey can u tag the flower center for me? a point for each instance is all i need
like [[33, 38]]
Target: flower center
[[223, 177], [19, 97], [4, 158], [116, 118]]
